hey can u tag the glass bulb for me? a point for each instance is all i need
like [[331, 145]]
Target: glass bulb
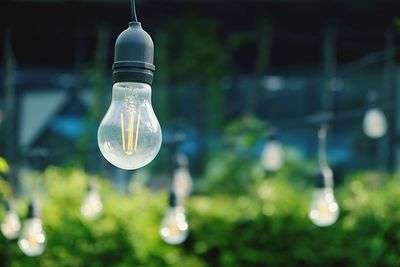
[[374, 123], [129, 136], [92, 206], [324, 210], [174, 227], [11, 225], [272, 157], [182, 182], [32, 240]]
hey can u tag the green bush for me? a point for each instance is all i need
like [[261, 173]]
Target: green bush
[[267, 227]]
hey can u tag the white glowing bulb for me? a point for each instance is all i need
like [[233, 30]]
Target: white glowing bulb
[[374, 123], [174, 228], [272, 157], [129, 135], [32, 240], [182, 182], [92, 206], [324, 210], [11, 225]]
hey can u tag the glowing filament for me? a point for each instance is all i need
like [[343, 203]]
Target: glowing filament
[[131, 139]]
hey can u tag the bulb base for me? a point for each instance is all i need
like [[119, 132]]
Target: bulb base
[[324, 179], [9, 205], [134, 56], [33, 210], [172, 201]]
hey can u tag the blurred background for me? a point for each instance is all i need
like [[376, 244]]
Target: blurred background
[[231, 77]]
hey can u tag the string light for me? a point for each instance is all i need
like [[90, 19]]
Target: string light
[[272, 157], [324, 210], [174, 228], [32, 240], [374, 122], [129, 135], [92, 206], [11, 225], [181, 180]]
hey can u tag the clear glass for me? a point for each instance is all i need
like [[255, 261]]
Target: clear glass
[[174, 228], [324, 210], [374, 123], [11, 225], [92, 206], [182, 182], [272, 157], [32, 240], [129, 135]]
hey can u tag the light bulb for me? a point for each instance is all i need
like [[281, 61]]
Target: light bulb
[[92, 206], [129, 136], [182, 182], [374, 123], [32, 240], [174, 228], [11, 225], [324, 210], [272, 157]]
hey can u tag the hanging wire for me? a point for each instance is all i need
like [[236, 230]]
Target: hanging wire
[[133, 10], [322, 133], [323, 156]]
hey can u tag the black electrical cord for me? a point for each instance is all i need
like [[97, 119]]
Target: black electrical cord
[[133, 10]]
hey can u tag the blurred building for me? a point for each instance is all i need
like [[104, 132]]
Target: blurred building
[[63, 55]]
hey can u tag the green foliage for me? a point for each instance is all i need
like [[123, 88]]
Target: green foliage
[[236, 165], [247, 218], [271, 228], [231, 168], [4, 167], [126, 234], [195, 50], [396, 22], [268, 226]]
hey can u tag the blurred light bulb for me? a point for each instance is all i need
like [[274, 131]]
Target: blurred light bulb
[[92, 206], [32, 240], [174, 227], [324, 210], [272, 157], [129, 136], [182, 182], [11, 225], [374, 123]]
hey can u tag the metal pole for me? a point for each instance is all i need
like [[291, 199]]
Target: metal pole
[[386, 148], [100, 105], [10, 102], [9, 84], [327, 105], [261, 64]]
